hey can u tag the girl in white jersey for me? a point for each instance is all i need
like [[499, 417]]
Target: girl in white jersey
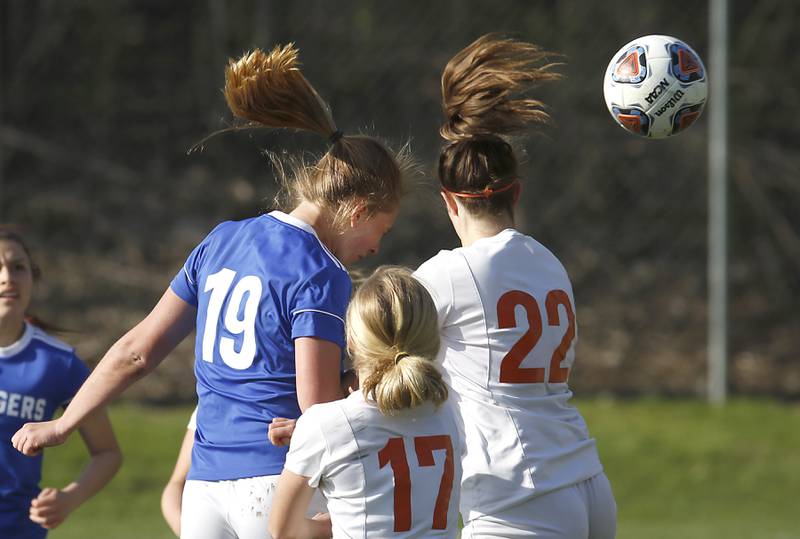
[[387, 457], [267, 296], [507, 317]]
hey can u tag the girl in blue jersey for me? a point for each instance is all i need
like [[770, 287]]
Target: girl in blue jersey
[[267, 296], [39, 374]]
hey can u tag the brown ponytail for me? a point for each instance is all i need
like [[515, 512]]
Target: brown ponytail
[[269, 90], [483, 92], [393, 336]]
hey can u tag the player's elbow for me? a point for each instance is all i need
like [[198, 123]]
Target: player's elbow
[[129, 359], [279, 530], [115, 460]]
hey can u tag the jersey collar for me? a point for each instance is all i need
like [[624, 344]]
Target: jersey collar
[[299, 223], [17, 347]]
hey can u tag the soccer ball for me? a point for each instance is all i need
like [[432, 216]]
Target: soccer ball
[[655, 86]]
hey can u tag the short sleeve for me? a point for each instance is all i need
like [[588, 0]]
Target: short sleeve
[[434, 275], [76, 374], [184, 284], [320, 304], [308, 447]]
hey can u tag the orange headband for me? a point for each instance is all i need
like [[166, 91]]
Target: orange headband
[[487, 192]]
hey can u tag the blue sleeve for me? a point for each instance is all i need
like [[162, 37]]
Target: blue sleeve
[[320, 305], [185, 283], [76, 374]]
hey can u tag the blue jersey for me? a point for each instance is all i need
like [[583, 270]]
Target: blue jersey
[[38, 374], [258, 284]]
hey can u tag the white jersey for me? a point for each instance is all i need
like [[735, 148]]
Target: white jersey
[[383, 476], [506, 314]]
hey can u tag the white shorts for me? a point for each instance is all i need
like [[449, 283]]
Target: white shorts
[[232, 509], [585, 510]]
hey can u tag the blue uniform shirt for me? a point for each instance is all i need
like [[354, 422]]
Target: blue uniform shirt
[[258, 284], [38, 374]]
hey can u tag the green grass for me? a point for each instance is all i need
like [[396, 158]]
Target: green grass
[[679, 469]]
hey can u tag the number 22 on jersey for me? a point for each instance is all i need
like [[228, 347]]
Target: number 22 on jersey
[[511, 371], [249, 287], [394, 454]]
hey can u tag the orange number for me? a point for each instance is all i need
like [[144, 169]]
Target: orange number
[[394, 454], [510, 370], [425, 446], [554, 299]]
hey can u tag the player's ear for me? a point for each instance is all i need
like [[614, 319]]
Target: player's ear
[[450, 203], [358, 214], [517, 192]]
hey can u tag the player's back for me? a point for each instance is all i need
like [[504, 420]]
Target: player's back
[[506, 313], [383, 476], [258, 285]]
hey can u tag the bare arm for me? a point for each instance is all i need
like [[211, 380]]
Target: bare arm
[[132, 357], [173, 491], [318, 366], [316, 360], [52, 506], [287, 516]]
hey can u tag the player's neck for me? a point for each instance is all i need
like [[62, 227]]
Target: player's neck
[[473, 229], [11, 331], [317, 218]]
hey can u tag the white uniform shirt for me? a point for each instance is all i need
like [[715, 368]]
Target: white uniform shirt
[[506, 314], [383, 476]]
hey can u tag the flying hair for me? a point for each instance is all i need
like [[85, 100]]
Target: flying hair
[[270, 90], [484, 88], [486, 98]]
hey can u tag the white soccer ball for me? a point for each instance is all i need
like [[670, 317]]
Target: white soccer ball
[[655, 86]]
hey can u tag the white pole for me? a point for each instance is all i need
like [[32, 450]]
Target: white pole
[[718, 203]]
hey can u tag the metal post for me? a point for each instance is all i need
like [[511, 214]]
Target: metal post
[[718, 203]]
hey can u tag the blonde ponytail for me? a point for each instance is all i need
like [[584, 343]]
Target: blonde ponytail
[[393, 335], [269, 90]]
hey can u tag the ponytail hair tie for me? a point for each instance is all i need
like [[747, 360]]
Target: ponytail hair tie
[[398, 356], [335, 136]]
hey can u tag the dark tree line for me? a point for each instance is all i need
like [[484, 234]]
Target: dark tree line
[[100, 101]]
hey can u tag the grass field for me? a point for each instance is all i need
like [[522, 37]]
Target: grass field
[[679, 469]]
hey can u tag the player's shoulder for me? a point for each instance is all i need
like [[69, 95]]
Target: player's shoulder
[[54, 344], [225, 230], [438, 266], [440, 260], [56, 350], [331, 418]]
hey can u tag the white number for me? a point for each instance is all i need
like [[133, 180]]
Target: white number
[[219, 284]]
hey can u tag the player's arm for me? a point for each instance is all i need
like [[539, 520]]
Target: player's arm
[[287, 516], [281, 429], [132, 357], [172, 496], [318, 371], [52, 505]]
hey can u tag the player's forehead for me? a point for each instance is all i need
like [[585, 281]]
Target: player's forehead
[[12, 251]]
